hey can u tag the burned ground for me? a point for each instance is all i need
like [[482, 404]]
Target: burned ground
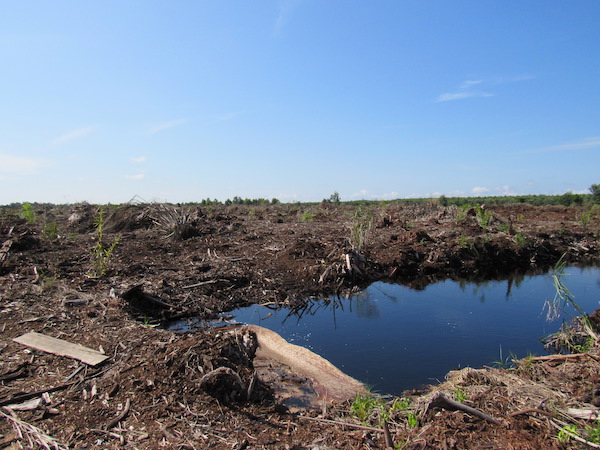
[[199, 389]]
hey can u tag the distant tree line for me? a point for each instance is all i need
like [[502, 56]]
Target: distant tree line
[[566, 199], [240, 201]]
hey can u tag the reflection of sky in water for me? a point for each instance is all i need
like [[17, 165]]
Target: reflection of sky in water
[[395, 338]]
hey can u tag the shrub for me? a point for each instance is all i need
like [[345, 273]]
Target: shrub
[[595, 190]]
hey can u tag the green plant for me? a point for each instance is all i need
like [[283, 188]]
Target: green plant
[[461, 215], [563, 295], [504, 227], [520, 240], [148, 322], [565, 433], [505, 363], [307, 216], [400, 404], [51, 230], [412, 420], [484, 216], [595, 190], [101, 253], [363, 405], [28, 213], [585, 346], [526, 363], [586, 216], [361, 228], [459, 395], [594, 433]]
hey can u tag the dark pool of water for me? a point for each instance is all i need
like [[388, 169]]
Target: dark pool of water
[[394, 338]]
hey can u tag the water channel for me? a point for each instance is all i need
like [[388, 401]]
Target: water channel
[[395, 338]]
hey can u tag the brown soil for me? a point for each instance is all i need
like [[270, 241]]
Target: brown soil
[[200, 389]]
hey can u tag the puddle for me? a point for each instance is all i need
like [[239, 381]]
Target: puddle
[[394, 338]]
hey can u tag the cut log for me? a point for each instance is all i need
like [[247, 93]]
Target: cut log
[[331, 384]]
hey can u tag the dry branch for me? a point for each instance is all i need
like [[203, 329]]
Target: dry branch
[[345, 424], [33, 434], [441, 401], [121, 415]]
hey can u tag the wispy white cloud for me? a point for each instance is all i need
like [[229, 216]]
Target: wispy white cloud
[[467, 84], [582, 144], [139, 176], [466, 88], [138, 159], [389, 196], [20, 166], [449, 96], [505, 190], [478, 190], [72, 135], [360, 194], [166, 125], [228, 116]]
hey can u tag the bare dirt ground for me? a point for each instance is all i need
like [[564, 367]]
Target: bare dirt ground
[[159, 389]]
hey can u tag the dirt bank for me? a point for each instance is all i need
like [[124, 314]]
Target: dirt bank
[[60, 276]]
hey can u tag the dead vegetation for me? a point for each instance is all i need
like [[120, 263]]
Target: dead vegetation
[[158, 388]]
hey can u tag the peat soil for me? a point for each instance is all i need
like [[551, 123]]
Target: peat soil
[[105, 277]]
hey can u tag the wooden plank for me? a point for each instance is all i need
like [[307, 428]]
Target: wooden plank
[[61, 348]]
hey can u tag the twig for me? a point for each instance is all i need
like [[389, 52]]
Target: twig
[[441, 401], [534, 410], [389, 442], [15, 373], [554, 357], [107, 433], [251, 385], [202, 283], [346, 424], [121, 415], [29, 395], [33, 433]]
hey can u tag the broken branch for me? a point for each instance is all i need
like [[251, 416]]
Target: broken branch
[[441, 401], [121, 415]]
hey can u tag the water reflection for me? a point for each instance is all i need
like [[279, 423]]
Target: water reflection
[[397, 338]]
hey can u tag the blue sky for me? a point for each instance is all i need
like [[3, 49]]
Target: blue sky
[[295, 99]]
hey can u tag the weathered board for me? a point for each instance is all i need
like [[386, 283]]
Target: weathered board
[[61, 348]]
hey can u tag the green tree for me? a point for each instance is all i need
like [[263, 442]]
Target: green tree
[[595, 190]]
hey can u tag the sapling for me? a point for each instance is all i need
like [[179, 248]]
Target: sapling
[[101, 253]]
